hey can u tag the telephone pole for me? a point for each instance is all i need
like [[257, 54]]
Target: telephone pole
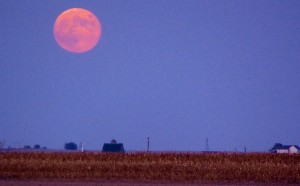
[[2, 144], [81, 145], [148, 144], [206, 145]]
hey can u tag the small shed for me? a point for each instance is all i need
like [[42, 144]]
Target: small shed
[[113, 147]]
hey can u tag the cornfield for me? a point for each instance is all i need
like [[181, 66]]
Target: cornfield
[[267, 168]]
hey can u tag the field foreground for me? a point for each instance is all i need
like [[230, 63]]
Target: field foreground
[[151, 167]]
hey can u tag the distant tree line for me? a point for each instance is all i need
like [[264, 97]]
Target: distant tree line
[[36, 146], [70, 146], [67, 146]]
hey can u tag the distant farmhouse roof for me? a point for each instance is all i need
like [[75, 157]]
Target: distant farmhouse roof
[[290, 149], [113, 147]]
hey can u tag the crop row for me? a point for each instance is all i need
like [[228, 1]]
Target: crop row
[[152, 166]]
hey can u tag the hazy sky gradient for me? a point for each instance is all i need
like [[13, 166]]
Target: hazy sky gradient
[[177, 71]]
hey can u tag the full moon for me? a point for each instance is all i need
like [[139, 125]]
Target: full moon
[[77, 30]]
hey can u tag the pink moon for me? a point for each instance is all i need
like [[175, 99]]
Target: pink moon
[[77, 30]]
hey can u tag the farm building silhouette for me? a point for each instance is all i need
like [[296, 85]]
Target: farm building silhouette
[[113, 147]]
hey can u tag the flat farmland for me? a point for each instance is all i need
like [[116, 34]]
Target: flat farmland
[[255, 168]]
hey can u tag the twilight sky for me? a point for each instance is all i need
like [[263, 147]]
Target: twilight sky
[[177, 71]]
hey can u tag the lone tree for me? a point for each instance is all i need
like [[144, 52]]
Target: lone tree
[[275, 147], [70, 146], [37, 146]]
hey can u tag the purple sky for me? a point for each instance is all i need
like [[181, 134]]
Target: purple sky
[[177, 71]]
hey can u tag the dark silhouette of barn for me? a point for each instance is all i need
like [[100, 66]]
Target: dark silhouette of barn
[[113, 147]]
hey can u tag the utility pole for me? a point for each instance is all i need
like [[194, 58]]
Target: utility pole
[[81, 145], [148, 144], [2, 144], [206, 145]]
